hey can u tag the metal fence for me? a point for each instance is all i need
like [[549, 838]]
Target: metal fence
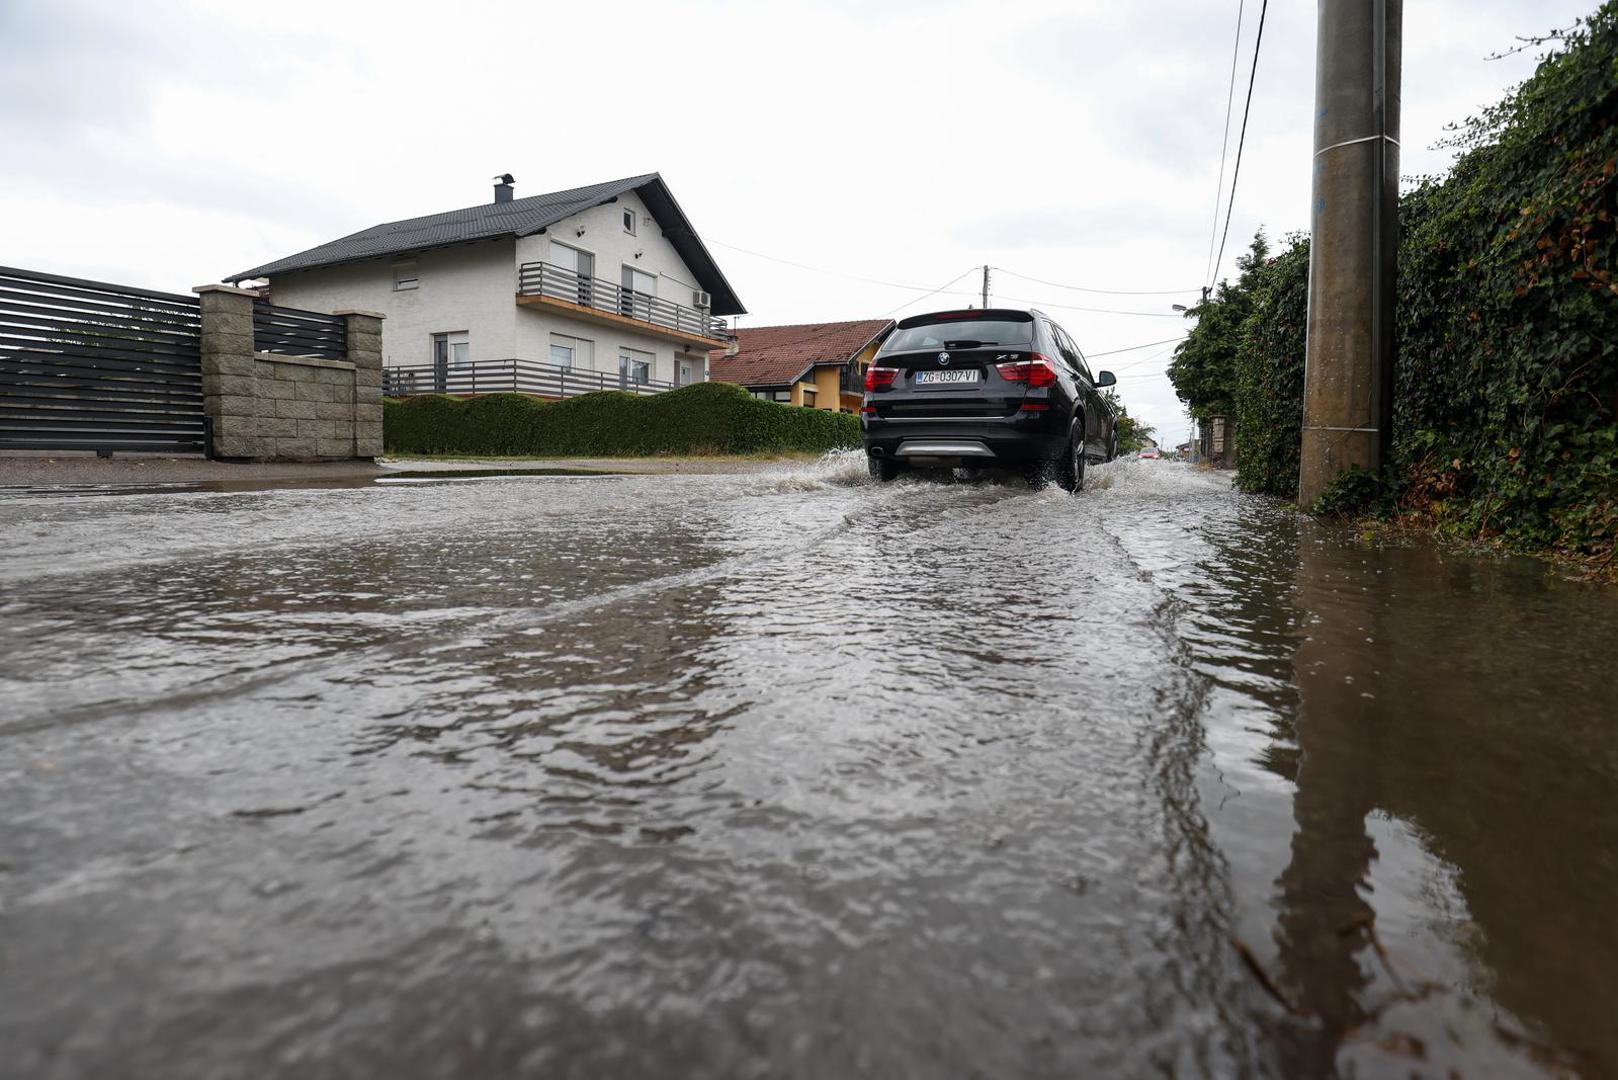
[[559, 283], [510, 376], [295, 332], [87, 365]]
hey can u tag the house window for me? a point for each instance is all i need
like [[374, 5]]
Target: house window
[[638, 294], [572, 352], [635, 367], [781, 395], [451, 352], [575, 283], [629, 222], [404, 276]]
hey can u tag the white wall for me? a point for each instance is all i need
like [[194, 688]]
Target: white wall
[[470, 288], [473, 288]]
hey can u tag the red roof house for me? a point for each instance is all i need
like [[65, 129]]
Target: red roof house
[[819, 365]]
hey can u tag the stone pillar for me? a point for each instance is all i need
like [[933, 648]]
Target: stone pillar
[[365, 353], [228, 382]]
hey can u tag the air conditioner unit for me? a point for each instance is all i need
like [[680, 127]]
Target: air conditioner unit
[[702, 300]]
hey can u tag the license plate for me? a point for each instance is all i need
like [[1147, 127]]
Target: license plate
[[946, 378]]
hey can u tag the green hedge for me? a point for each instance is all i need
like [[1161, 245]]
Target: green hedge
[[707, 418], [1269, 375], [1507, 380]]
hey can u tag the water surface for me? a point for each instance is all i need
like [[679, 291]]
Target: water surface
[[791, 774]]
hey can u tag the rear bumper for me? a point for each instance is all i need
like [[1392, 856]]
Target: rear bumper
[[988, 441]]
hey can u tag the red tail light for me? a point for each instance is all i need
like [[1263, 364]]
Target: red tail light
[[1036, 371], [880, 378]]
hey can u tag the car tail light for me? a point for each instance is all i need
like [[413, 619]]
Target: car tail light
[[1036, 371], [868, 410], [880, 378], [1036, 406]]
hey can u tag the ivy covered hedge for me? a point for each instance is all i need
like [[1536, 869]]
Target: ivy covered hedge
[[707, 418], [1506, 384]]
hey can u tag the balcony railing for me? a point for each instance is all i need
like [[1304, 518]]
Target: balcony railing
[[559, 283], [510, 376]]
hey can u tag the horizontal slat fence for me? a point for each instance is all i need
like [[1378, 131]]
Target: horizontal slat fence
[[509, 376], [295, 332], [87, 365]]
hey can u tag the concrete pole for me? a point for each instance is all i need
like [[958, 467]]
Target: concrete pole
[[1348, 365]]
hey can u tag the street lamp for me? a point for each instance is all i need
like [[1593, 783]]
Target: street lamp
[[1179, 307]]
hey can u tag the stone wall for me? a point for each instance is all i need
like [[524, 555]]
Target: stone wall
[[268, 407]]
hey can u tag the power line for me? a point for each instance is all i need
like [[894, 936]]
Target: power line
[[1098, 310], [1144, 360], [1224, 141], [1108, 292], [919, 299], [1236, 173], [822, 270], [1133, 348]]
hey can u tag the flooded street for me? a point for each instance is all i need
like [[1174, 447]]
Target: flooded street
[[790, 774]]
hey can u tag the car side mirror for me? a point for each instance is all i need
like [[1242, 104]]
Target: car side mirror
[[1105, 378]]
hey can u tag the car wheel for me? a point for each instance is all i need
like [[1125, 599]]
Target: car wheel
[[883, 469], [1070, 470]]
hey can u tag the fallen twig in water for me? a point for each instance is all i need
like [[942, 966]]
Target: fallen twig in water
[[1260, 974]]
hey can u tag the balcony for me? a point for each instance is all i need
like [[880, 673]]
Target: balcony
[[510, 376], [541, 284]]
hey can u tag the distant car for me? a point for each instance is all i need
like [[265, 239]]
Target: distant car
[[996, 386], [1149, 453]]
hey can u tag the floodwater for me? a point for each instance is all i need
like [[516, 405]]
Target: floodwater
[[793, 775]]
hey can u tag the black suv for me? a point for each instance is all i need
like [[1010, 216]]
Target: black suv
[[991, 387]]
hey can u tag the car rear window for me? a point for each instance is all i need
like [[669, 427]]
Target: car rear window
[[935, 335]]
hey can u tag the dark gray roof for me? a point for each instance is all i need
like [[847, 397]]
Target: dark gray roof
[[519, 217]]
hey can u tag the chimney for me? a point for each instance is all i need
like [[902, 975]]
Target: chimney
[[502, 190]]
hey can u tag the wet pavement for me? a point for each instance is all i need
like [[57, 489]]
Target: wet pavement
[[789, 774]]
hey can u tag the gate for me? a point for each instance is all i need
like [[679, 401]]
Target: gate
[[85, 365]]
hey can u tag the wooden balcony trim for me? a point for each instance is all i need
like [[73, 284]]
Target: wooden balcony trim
[[609, 318]]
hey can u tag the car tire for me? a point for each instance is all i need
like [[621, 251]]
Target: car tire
[[1070, 469], [883, 470]]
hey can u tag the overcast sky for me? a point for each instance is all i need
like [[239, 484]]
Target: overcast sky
[[170, 144]]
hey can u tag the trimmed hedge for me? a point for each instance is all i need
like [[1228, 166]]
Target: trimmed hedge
[[706, 418]]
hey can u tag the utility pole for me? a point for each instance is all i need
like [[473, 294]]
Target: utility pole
[[1348, 362], [985, 284]]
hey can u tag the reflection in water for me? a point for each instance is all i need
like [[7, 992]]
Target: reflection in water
[[1324, 915], [790, 775], [1472, 701]]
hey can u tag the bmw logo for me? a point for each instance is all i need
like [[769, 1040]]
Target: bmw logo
[[943, 359]]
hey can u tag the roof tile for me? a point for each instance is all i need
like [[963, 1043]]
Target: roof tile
[[778, 355]]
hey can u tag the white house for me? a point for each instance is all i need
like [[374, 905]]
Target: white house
[[606, 286]]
